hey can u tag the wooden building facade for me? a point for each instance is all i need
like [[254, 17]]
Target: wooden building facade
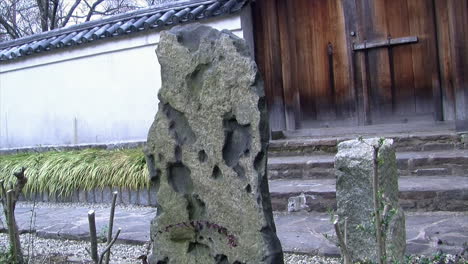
[[357, 62]]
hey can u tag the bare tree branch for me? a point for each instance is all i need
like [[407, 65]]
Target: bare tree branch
[[19, 18], [93, 8], [70, 12], [12, 32], [53, 21]]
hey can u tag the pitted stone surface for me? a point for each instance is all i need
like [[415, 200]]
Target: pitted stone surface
[[354, 164], [206, 152]]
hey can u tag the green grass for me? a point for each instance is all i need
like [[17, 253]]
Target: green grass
[[63, 172]]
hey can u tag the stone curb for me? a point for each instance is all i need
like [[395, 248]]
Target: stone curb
[[144, 197]]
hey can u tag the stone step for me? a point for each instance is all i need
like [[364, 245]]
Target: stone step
[[419, 193], [426, 233], [427, 163], [299, 146]]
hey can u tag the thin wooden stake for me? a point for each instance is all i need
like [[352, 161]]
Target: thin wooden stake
[[341, 242], [111, 225], [92, 234], [107, 249]]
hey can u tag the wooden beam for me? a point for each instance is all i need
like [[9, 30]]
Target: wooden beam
[[366, 45]]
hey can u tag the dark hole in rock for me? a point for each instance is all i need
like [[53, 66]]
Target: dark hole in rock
[[238, 262], [155, 179], [198, 248], [181, 130], [221, 58], [201, 238], [216, 172], [179, 178], [221, 259], [164, 261], [240, 171], [248, 188], [160, 157], [202, 156], [237, 141], [195, 207], [159, 210], [178, 153]]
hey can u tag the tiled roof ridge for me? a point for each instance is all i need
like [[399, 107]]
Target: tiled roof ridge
[[121, 24]]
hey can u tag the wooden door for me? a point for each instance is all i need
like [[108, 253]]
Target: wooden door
[[399, 67], [322, 66], [302, 52]]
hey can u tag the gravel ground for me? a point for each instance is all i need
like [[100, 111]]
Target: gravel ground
[[70, 251], [74, 251]]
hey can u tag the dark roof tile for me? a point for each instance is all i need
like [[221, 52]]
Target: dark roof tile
[[144, 19]]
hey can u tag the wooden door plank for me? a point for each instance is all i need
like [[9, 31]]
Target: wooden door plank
[[379, 68], [304, 52], [421, 23], [344, 91], [287, 26], [398, 26], [268, 38], [458, 19], [318, 47], [360, 64], [445, 59], [349, 20]]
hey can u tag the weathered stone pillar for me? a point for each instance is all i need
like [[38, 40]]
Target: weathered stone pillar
[[356, 163], [207, 152]]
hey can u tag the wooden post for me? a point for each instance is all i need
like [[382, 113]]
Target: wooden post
[[93, 237], [111, 225]]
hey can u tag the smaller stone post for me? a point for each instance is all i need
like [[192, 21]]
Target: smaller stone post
[[367, 199]]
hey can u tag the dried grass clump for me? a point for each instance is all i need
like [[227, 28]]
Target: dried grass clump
[[62, 172]]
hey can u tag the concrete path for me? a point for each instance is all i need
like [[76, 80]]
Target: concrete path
[[300, 232]]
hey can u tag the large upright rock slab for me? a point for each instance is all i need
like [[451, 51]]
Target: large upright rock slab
[[207, 153], [354, 165]]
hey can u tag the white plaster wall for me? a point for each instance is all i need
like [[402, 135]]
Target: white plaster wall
[[99, 93]]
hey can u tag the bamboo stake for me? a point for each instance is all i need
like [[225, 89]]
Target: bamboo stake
[[111, 225], [92, 234], [109, 245], [341, 242]]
